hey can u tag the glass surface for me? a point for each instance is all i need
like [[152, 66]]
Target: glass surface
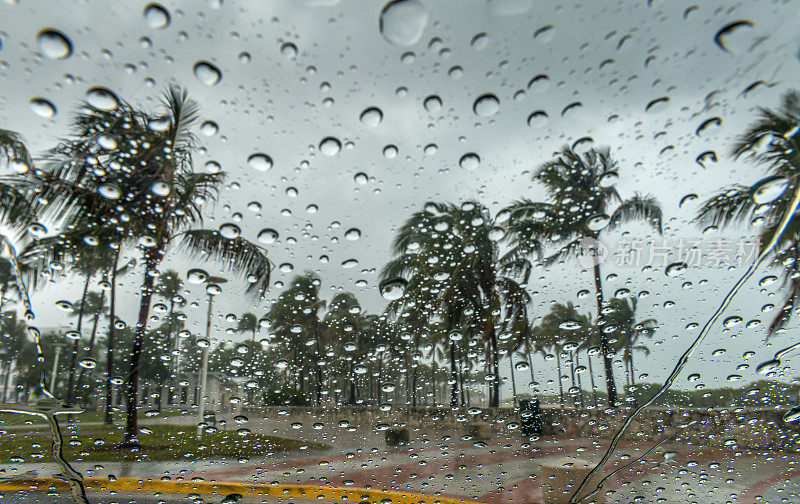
[[473, 251]]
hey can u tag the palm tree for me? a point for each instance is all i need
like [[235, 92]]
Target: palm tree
[[562, 325], [583, 206], [620, 314], [447, 255], [772, 141], [344, 326], [147, 193], [247, 323], [294, 314], [93, 303]]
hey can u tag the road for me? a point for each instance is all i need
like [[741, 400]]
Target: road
[[504, 470]]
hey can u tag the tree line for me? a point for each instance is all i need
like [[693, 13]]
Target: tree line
[[121, 191]]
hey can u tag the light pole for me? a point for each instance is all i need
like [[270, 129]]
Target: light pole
[[55, 367], [212, 289]]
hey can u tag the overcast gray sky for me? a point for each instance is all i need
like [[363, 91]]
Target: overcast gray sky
[[612, 57]]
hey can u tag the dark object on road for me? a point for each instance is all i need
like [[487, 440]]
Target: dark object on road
[[530, 415], [396, 437]]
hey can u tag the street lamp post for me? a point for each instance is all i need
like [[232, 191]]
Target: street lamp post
[[55, 368], [212, 289]]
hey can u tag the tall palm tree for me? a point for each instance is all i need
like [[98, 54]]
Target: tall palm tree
[[771, 141], [448, 256], [296, 313], [147, 193], [583, 205], [344, 325], [95, 305], [563, 324], [621, 325]]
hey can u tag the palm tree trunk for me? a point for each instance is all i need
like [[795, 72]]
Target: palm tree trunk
[[317, 364], [380, 378], [461, 371], [433, 379], [131, 424], [112, 306], [513, 380], [605, 348], [578, 375], [453, 376], [415, 365], [560, 383], [495, 395], [74, 358], [591, 378], [85, 397], [572, 379]]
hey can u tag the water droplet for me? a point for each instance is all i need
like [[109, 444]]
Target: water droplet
[[390, 152], [109, 191], [539, 84], [676, 269], [392, 288], [402, 22], [37, 229], [230, 231], [732, 321], [88, 363], [570, 325], [769, 189], [723, 37], [102, 98], [353, 234], [54, 44], [267, 236], [371, 117], [213, 167], [706, 157], [598, 222], [349, 263], [43, 107], [330, 146], [65, 305], [768, 366], [657, 105], [432, 104], [469, 161], [209, 128], [768, 280], [106, 142], [479, 41], [196, 276], [207, 73], [537, 119], [259, 162], [486, 105], [156, 16], [521, 366], [160, 188], [687, 199], [360, 178], [289, 50]]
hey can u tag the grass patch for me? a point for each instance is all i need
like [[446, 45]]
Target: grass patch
[[16, 419], [159, 442]]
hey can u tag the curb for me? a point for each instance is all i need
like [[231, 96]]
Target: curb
[[229, 487]]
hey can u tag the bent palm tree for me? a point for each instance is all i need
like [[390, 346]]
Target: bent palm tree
[[147, 193], [447, 255], [772, 140], [584, 205]]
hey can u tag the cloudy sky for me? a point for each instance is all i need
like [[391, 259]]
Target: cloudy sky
[[637, 76]]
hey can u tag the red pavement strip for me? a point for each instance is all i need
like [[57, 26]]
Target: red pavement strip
[[753, 494], [527, 490]]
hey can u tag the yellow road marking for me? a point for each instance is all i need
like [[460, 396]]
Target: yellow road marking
[[229, 487]]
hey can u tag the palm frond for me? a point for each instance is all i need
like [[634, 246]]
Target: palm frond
[[638, 208], [236, 255]]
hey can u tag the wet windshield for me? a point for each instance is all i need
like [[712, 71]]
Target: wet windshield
[[473, 251]]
